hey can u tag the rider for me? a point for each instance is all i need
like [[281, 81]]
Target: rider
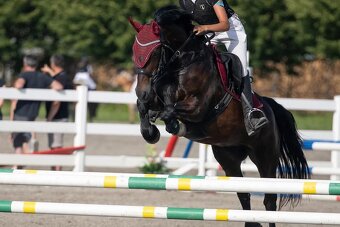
[[219, 17]]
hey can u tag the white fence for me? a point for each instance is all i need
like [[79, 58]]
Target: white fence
[[81, 128]]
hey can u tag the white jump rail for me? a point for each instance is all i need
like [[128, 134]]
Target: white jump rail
[[80, 128], [180, 183]]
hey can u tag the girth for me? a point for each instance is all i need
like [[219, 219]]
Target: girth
[[218, 108]]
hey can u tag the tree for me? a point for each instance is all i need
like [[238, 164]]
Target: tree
[[96, 28], [279, 31], [21, 28], [319, 25], [286, 31], [75, 28]]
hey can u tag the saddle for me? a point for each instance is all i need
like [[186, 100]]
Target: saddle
[[231, 73]]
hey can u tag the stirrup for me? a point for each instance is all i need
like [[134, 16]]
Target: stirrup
[[261, 121]]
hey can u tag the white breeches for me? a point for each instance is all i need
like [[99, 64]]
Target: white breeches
[[235, 40]]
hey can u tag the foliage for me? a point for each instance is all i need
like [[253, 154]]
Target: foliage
[[285, 31], [290, 31], [22, 26], [155, 164], [154, 168], [75, 28], [318, 26]]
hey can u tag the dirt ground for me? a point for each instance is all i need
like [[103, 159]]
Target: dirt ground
[[106, 145]]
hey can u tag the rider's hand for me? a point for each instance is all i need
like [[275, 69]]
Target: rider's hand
[[200, 29]]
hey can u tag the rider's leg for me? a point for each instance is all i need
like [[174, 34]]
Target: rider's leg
[[254, 118], [235, 40]]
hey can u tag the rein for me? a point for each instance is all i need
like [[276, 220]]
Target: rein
[[178, 52]]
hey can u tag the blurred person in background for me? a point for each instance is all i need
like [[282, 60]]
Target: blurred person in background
[[57, 111], [27, 110], [84, 76]]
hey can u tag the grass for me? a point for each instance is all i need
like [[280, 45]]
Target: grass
[[313, 120], [119, 113], [112, 113], [105, 112]]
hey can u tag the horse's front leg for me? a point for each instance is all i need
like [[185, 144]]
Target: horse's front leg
[[149, 132], [169, 115], [172, 125]]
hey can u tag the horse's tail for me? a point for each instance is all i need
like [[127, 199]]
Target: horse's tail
[[293, 163]]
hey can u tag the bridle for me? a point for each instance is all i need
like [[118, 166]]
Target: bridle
[[165, 65]]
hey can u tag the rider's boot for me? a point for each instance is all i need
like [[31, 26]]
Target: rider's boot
[[254, 118]]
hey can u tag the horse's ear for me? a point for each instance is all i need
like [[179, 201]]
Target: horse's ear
[[135, 24], [155, 28]]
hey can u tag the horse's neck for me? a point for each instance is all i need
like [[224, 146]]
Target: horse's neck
[[209, 60], [205, 59]]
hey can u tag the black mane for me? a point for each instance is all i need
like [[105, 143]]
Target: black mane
[[172, 14]]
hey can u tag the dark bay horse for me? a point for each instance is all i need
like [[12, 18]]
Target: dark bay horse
[[178, 82]]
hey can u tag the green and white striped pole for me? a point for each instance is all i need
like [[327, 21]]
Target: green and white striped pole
[[169, 212], [217, 184]]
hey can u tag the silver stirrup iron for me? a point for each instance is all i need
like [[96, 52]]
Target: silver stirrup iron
[[251, 112]]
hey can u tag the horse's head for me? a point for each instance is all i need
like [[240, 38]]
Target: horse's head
[[146, 55], [155, 44]]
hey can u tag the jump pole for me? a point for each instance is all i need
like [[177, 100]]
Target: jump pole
[[335, 155], [44, 172], [222, 184], [326, 145], [246, 167], [63, 150], [169, 213], [322, 197], [103, 174], [187, 149], [170, 146]]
